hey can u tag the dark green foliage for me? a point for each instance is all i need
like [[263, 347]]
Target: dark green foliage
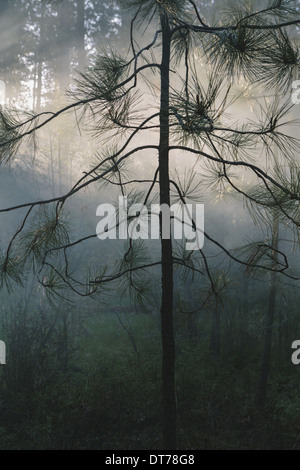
[[150, 8], [237, 52], [281, 63], [107, 398]]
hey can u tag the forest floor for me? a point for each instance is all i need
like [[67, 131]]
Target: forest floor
[[110, 396]]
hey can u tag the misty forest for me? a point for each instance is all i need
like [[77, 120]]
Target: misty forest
[[154, 330]]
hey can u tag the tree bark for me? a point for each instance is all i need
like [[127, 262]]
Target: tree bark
[[167, 329], [215, 342], [80, 30], [39, 60], [266, 359], [64, 23]]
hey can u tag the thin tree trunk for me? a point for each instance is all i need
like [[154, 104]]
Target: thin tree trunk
[[65, 342], [215, 330], [81, 34], [191, 320], [266, 359], [243, 314], [34, 83], [41, 46], [52, 167], [64, 15], [39, 86], [59, 165], [280, 335], [167, 330]]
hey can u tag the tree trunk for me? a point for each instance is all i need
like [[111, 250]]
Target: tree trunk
[[215, 330], [64, 23], [39, 85], [244, 314], [40, 60], [80, 31], [167, 331], [280, 335], [266, 359]]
